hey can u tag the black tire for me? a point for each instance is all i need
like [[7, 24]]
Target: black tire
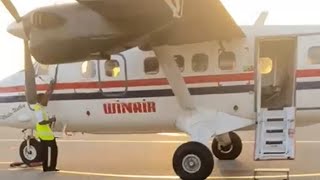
[[200, 152], [228, 153], [35, 152]]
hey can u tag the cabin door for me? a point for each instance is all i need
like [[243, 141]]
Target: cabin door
[[275, 67], [275, 95]]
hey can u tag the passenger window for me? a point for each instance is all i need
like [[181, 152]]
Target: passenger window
[[180, 62], [42, 69], [314, 55], [151, 65], [227, 60], [265, 65], [200, 62], [88, 69], [112, 68]]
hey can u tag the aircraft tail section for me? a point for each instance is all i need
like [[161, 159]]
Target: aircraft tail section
[[262, 18]]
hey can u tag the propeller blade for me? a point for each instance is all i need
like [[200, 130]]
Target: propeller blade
[[30, 82], [12, 9]]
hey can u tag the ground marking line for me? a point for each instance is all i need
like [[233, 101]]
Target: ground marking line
[[175, 177], [162, 177], [134, 141]]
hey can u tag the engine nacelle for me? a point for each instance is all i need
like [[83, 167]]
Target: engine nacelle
[[70, 33]]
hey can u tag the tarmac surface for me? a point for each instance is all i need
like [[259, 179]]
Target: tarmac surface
[[126, 157]]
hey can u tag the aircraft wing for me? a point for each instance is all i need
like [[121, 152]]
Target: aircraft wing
[[202, 20]]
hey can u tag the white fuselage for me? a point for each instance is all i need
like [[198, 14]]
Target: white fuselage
[[145, 102]]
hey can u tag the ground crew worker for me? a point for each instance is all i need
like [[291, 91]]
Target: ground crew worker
[[49, 148], [112, 68]]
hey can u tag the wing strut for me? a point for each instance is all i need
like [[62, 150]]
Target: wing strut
[[174, 77]]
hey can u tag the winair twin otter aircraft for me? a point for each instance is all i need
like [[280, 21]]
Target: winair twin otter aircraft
[[141, 66]]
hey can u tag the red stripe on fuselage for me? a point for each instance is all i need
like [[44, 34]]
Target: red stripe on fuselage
[[136, 83], [155, 82], [308, 73]]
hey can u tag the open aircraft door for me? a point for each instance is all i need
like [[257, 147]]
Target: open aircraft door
[[113, 76], [275, 98]]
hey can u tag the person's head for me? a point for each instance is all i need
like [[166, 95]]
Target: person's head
[[42, 99]]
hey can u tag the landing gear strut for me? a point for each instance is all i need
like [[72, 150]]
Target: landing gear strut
[[228, 152], [193, 161]]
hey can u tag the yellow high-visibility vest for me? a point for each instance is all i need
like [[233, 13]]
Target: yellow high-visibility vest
[[115, 71], [43, 132]]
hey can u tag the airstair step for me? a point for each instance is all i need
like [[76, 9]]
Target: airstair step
[[274, 131], [276, 153], [275, 119], [273, 140]]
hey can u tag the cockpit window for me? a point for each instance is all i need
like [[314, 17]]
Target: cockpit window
[[314, 55], [42, 69], [151, 65], [112, 68], [200, 62], [88, 69]]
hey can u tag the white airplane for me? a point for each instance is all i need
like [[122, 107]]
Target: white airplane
[[199, 74]]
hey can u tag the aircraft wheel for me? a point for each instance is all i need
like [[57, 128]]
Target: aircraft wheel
[[34, 153], [193, 161], [230, 152]]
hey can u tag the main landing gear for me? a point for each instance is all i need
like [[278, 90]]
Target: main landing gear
[[194, 161], [230, 151]]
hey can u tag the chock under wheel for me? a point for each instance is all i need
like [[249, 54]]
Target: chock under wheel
[[21, 164]]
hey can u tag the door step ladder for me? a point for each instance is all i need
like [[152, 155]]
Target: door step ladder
[[275, 132]]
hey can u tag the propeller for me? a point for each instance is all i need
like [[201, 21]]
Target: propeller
[[11, 8], [30, 83]]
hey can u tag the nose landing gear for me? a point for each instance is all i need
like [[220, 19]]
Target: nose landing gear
[[31, 154], [30, 151]]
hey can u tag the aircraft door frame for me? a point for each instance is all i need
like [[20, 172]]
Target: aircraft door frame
[[119, 84], [259, 76]]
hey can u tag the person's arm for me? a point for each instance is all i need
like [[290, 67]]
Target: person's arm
[[49, 92], [50, 88], [41, 120], [47, 122]]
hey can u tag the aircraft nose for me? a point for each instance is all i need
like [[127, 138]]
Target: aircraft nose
[[17, 29]]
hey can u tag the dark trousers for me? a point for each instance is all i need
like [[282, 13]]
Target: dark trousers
[[49, 150]]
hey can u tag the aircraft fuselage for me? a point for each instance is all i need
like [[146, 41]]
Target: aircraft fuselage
[[144, 102]]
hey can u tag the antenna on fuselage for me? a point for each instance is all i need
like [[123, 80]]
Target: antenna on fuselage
[[261, 19]]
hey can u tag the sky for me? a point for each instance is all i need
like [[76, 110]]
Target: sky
[[244, 12]]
